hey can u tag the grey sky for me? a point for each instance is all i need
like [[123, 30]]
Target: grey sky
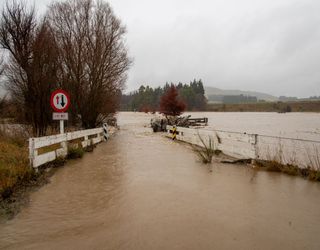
[[270, 46]]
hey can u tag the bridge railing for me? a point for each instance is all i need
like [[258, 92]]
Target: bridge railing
[[48, 148], [299, 152]]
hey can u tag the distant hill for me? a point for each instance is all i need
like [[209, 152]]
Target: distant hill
[[260, 96]]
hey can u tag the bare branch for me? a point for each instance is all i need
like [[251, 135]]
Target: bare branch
[[93, 57]]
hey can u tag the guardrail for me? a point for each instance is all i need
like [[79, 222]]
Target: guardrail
[[298, 152], [55, 146]]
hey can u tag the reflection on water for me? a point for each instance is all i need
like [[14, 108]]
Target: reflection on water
[[143, 191]]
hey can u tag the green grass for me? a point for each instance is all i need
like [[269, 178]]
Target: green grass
[[298, 106]]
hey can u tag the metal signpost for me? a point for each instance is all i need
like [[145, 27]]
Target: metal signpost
[[60, 102]]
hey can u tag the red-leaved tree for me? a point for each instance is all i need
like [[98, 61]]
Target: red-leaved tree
[[170, 104]]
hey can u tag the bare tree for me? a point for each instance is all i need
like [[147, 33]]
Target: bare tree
[[1, 65], [2, 104], [33, 63], [92, 54]]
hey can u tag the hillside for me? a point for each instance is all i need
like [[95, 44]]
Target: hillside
[[260, 96]]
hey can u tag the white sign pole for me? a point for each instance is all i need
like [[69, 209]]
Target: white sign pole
[[61, 126]]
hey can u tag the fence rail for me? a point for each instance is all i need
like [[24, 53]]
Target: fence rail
[[238, 145], [300, 152], [86, 138]]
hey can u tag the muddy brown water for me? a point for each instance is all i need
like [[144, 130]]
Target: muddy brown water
[[143, 191], [294, 125]]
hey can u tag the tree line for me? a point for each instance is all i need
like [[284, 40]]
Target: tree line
[[78, 45], [147, 99]]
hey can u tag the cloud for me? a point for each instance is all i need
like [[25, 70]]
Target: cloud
[[254, 45], [260, 45]]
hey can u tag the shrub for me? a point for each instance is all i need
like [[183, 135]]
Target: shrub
[[74, 153]]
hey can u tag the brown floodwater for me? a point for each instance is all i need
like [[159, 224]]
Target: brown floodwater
[[303, 125], [141, 190]]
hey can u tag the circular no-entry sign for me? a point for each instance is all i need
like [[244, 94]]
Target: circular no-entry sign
[[60, 100]]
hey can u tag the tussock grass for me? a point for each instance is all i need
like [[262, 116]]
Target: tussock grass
[[206, 151], [278, 163], [314, 159], [14, 164]]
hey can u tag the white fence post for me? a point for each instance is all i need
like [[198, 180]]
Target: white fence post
[[64, 145], [31, 151], [256, 149]]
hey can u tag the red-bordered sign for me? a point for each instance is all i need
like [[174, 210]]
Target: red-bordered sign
[[60, 100]]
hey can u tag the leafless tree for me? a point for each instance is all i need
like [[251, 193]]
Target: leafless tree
[[1, 65], [92, 54], [32, 66], [2, 104]]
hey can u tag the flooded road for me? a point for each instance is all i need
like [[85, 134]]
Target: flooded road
[[143, 191]]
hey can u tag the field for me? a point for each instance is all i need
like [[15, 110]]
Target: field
[[304, 106]]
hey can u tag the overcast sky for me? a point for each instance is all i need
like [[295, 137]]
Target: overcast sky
[[271, 46]]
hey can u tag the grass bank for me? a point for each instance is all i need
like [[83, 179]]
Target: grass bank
[[17, 178], [290, 169], [14, 164], [302, 106]]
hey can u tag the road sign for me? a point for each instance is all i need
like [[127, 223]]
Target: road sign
[[60, 100], [60, 116]]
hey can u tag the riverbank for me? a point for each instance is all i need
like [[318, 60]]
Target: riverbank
[[15, 174], [282, 107]]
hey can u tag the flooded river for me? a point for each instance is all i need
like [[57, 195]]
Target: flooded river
[[143, 191], [293, 125]]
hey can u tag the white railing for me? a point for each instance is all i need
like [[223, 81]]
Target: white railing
[[298, 152], [238, 145], [37, 158]]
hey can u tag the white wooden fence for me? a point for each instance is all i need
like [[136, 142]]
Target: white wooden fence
[[299, 152], [238, 145], [85, 137]]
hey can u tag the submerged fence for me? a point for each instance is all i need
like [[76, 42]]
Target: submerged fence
[[48, 148], [303, 153]]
